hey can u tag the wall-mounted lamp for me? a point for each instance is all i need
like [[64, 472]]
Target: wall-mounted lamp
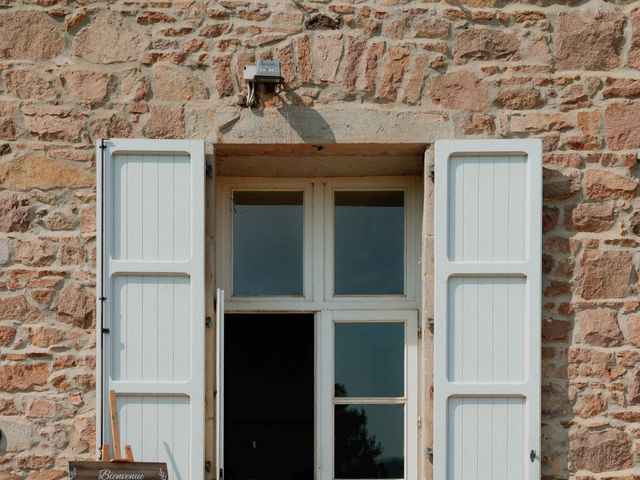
[[264, 76]]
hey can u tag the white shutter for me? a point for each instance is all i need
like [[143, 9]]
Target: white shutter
[[220, 384], [488, 205], [151, 242]]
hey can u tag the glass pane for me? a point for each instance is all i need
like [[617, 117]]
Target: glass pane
[[369, 359], [369, 441], [369, 243], [267, 243]]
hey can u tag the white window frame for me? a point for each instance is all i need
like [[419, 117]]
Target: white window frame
[[329, 309]]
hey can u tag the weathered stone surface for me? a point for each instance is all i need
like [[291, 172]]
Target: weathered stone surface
[[87, 85], [23, 376], [113, 126], [110, 38], [621, 88], [590, 406], [29, 35], [393, 72], [592, 217], [633, 386], [300, 125], [602, 184], [46, 337], [14, 213], [37, 253], [7, 334], [459, 91], [605, 274], [17, 308], [600, 451], [518, 98], [623, 125], [329, 52], [222, 75], [633, 330], [539, 122], [54, 123], [633, 57], [177, 83], [30, 84], [76, 306], [574, 97], [134, 85], [165, 122], [35, 171], [588, 40], [431, 27], [600, 327], [486, 44]]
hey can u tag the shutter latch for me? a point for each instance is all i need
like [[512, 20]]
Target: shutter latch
[[207, 322], [430, 454], [532, 456], [208, 170], [207, 466]]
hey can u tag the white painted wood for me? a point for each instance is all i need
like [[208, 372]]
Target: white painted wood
[[153, 280], [488, 208], [318, 299], [410, 398], [219, 384]]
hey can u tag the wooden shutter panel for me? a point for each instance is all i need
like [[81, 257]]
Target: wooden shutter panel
[[151, 242], [488, 204]]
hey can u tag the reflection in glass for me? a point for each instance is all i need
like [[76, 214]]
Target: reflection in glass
[[268, 243], [369, 359], [369, 441], [369, 242]]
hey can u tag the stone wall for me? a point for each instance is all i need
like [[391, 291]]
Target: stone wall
[[567, 71]]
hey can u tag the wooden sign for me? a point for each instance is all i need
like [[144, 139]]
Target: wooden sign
[[117, 471]]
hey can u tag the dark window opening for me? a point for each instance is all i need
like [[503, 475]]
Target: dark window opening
[[269, 396]]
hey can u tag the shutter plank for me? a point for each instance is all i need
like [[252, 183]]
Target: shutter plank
[[487, 309], [153, 278]]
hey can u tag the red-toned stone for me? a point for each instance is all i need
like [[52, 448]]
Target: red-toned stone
[[46, 337], [54, 123], [355, 50], [588, 39], [590, 406], [14, 213], [165, 122], [36, 253], [29, 35], [151, 17], [600, 451], [393, 72], [17, 308], [592, 217], [623, 125], [304, 66], [177, 83], [30, 84], [76, 306], [602, 184], [222, 75], [459, 91], [486, 44], [518, 98], [574, 97], [328, 54], [539, 122], [605, 274], [7, 334], [600, 328], [86, 85], [23, 376], [371, 66], [110, 38]]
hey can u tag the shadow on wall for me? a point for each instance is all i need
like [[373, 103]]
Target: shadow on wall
[[306, 122]]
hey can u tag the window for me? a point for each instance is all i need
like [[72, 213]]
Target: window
[[340, 253]]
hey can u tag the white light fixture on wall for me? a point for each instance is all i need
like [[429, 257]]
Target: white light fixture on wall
[[265, 73]]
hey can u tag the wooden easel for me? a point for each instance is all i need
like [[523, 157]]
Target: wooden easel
[[115, 435]]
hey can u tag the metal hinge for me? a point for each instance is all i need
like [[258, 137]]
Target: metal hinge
[[419, 331], [207, 322], [105, 330], [221, 474], [430, 454], [432, 172], [430, 321], [207, 466], [419, 422], [209, 170], [532, 456]]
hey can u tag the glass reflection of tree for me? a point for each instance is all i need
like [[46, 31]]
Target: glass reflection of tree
[[356, 452]]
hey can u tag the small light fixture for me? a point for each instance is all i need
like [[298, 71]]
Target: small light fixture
[[265, 73]]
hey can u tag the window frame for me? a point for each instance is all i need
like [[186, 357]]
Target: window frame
[[318, 265]]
